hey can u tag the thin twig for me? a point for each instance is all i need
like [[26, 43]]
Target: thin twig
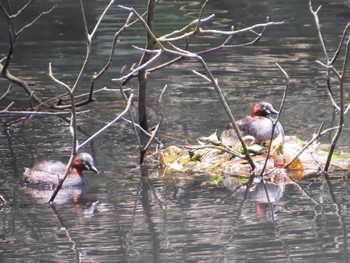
[[317, 22], [22, 9], [6, 92], [59, 186], [221, 148], [154, 134], [57, 80], [111, 55], [337, 52], [100, 20], [35, 19], [136, 70], [125, 111], [200, 16], [276, 121], [221, 32], [341, 78], [213, 81], [176, 32], [6, 111], [314, 138], [217, 88]]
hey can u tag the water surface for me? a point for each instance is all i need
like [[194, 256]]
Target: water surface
[[121, 217]]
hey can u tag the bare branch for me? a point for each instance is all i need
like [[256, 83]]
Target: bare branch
[[8, 107], [125, 111], [7, 75], [223, 148], [336, 53], [347, 109], [161, 94], [275, 122], [345, 62], [243, 30], [35, 19], [6, 92], [341, 78], [100, 19], [201, 75], [180, 52], [217, 88], [200, 16], [57, 80], [3, 9], [12, 39], [6, 111], [169, 37], [149, 31], [314, 138], [222, 32], [176, 32], [154, 133], [22, 9], [134, 71], [317, 22], [109, 62], [331, 67], [59, 186]]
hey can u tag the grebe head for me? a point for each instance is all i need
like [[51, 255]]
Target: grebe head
[[84, 161], [263, 109]]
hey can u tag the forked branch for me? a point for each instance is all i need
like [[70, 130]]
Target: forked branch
[[330, 67]]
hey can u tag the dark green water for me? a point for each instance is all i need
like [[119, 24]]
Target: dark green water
[[170, 219]]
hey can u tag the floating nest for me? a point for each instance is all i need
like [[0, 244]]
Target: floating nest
[[212, 158]]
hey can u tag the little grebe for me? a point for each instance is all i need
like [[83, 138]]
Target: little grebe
[[50, 172], [258, 125]]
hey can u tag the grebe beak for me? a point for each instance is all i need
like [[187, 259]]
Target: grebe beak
[[91, 167]]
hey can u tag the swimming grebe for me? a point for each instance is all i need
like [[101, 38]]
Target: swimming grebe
[[258, 125], [49, 172]]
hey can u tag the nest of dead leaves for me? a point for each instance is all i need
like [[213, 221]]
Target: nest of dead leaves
[[210, 157]]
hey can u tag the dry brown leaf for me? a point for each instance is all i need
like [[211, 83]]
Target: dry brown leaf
[[295, 165]]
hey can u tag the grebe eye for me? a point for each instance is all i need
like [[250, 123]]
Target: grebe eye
[[86, 165]]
